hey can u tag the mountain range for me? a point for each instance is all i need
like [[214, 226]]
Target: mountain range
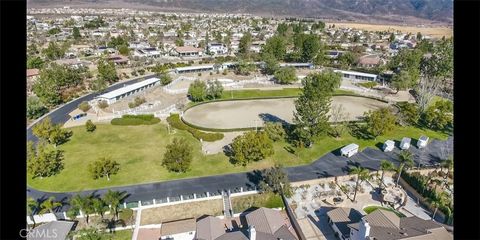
[[439, 11]]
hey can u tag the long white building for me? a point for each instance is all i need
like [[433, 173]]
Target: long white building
[[126, 91], [357, 76]]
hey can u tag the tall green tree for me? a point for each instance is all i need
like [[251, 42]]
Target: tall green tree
[[99, 206], [44, 160], [275, 131], [178, 156], [54, 81], [439, 115], [402, 81], [107, 71], [380, 121], [312, 106], [35, 108], [251, 146], [409, 113], [83, 203], [275, 46], [362, 175], [197, 91], [406, 160], [76, 33], [271, 63], [53, 51], [286, 75], [310, 47], [51, 133], [103, 167], [113, 199], [214, 90], [244, 68], [275, 180], [244, 44], [385, 166], [35, 62]]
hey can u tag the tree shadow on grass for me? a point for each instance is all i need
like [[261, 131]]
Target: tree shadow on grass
[[359, 131]]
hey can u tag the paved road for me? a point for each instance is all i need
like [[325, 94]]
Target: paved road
[[60, 115], [330, 164]]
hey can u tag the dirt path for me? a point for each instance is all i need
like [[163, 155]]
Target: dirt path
[[251, 113]]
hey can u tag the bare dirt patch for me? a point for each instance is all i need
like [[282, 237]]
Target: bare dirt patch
[[252, 113], [181, 211], [434, 31]]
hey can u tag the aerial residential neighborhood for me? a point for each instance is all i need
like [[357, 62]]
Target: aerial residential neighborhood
[[148, 124]]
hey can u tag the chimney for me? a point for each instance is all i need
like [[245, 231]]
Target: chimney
[[366, 226], [364, 230], [253, 233]]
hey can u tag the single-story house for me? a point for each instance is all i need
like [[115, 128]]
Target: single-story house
[[369, 61], [348, 224], [118, 59], [263, 224], [188, 51], [53, 230], [181, 229]]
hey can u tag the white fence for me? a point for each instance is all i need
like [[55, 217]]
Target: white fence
[[152, 203]]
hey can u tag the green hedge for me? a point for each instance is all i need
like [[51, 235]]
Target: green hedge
[[134, 120], [419, 183], [175, 121]]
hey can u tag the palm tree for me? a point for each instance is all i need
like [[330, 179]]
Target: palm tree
[[99, 206], [84, 204], [447, 163], [385, 166], [435, 203], [406, 160], [32, 206], [362, 175], [49, 205], [113, 198]]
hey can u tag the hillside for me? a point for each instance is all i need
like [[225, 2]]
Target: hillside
[[364, 10]]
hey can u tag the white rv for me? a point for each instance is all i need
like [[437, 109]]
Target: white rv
[[405, 143], [349, 150], [422, 142], [388, 146]]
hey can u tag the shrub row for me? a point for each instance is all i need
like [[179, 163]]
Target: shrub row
[[419, 183], [133, 120], [175, 121]]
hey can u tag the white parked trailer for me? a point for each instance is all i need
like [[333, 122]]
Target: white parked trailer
[[349, 150], [405, 143], [422, 142], [388, 146]]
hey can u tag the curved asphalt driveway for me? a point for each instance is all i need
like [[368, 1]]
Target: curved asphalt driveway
[[328, 165], [60, 115]]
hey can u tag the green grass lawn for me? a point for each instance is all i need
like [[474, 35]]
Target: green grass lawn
[[254, 93], [370, 209], [268, 200], [140, 149], [119, 235]]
